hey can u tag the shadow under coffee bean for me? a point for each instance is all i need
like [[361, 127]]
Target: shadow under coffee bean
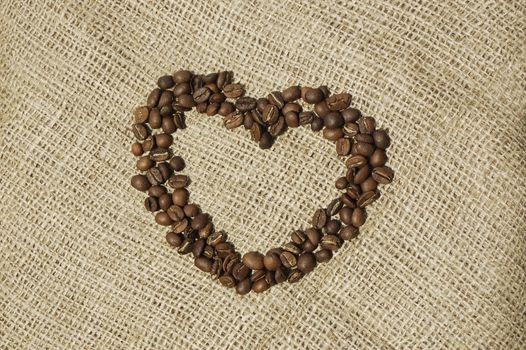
[[358, 142]]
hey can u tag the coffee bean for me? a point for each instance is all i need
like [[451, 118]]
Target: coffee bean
[[151, 204], [233, 120], [343, 146], [331, 242], [227, 281], [163, 219], [367, 125], [321, 109], [212, 109], [168, 125], [245, 104], [333, 120], [233, 90], [261, 103], [244, 287], [186, 247], [358, 217], [216, 238], [316, 124], [314, 96], [346, 215], [166, 111], [339, 102], [225, 109], [383, 175], [198, 248], [186, 101], [313, 235], [291, 247], [288, 259], [156, 191], [174, 239], [356, 161], [159, 154], [166, 98], [365, 138], [140, 131], [298, 237], [260, 286], [351, 129], [203, 264], [323, 255], [306, 117], [175, 213], [155, 119], [351, 115], [165, 201], [217, 268], [291, 94], [182, 89], [378, 158], [248, 121], [140, 182], [292, 119], [182, 76], [217, 98], [180, 197], [271, 261], [334, 207], [341, 183], [257, 275], [348, 232], [306, 262], [223, 78], [291, 107], [353, 191], [153, 98], [240, 271], [319, 218], [362, 148], [179, 120], [136, 149], [163, 140], [253, 260], [270, 114], [200, 221], [332, 227], [369, 185], [206, 231], [276, 99], [361, 175], [295, 276], [180, 226], [224, 249], [256, 131], [332, 134], [280, 275], [144, 163], [278, 128], [269, 277], [192, 210], [210, 78], [177, 163], [178, 181], [141, 115], [266, 140], [201, 95], [367, 198], [308, 246]]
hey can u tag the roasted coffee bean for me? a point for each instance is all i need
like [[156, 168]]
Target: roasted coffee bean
[[201, 95], [333, 120], [291, 94], [192, 210], [280, 275], [166, 111], [231, 260], [245, 104], [248, 121], [271, 261], [155, 119], [291, 107], [182, 89], [298, 237], [353, 191], [210, 78], [266, 140], [200, 221], [212, 109], [217, 268], [346, 215], [227, 281], [313, 235], [141, 115], [198, 248], [136, 149], [163, 140], [253, 260], [331, 242], [180, 226], [362, 148], [369, 185], [321, 109], [378, 158], [291, 247], [351, 115], [260, 286], [156, 191], [383, 175], [151, 204], [233, 120], [343, 146], [168, 125], [261, 103], [208, 251], [365, 138], [278, 128], [186, 247], [348, 232], [175, 213], [186, 101], [334, 207], [276, 99], [349, 175], [180, 197], [233, 90], [244, 287], [179, 120], [178, 181], [257, 116], [367, 198], [306, 118], [367, 125], [206, 231], [295, 276], [201, 107], [216, 238], [182, 76], [316, 124], [257, 275], [197, 82], [144, 163], [325, 90], [174, 239], [356, 161], [358, 217], [381, 139], [269, 277], [223, 78], [339, 102], [165, 202], [270, 114], [223, 249], [288, 259], [225, 109], [319, 218], [203, 263], [347, 200], [140, 131], [177, 163], [166, 98], [314, 96], [292, 120], [256, 131], [361, 175], [163, 219], [332, 227], [306, 262], [140, 182], [217, 98], [153, 98], [160, 154], [148, 144], [351, 129], [240, 271], [332, 134], [341, 183], [323, 255]]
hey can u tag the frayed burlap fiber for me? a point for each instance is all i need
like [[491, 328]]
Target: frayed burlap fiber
[[440, 262]]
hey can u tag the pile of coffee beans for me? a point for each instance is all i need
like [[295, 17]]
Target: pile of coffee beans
[[358, 141]]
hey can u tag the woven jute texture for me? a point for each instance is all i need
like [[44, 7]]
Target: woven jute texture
[[440, 263]]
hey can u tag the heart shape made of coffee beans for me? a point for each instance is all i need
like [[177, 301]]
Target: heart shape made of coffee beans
[[358, 142]]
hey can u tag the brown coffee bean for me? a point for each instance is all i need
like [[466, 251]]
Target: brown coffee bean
[[224, 249], [240, 271], [175, 213], [182, 89], [347, 200], [206, 231], [168, 125], [166, 111], [319, 218], [257, 117], [367, 125], [353, 191], [212, 109], [223, 78], [178, 181], [177, 163], [233, 120], [292, 120], [165, 201], [333, 120], [313, 235], [163, 140], [144, 163], [186, 246], [298, 237], [358, 217], [356, 161], [245, 104], [341, 183], [153, 98], [151, 204], [203, 264], [332, 134], [155, 119], [334, 207], [163, 219], [210, 78], [140, 182], [231, 260], [331, 242], [260, 286], [321, 109], [141, 115], [314, 96], [201, 107], [362, 148], [256, 131], [198, 248], [361, 175], [378, 158], [346, 215], [244, 287], [271, 261], [332, 227], [291, 107], [217, 268], [367, 198], [339, 102], [182, 76], [179, 120], [140, 131], [217, 98], [269, 277], [136, 149], [366, 138], [348, 232], [261, 103], [257, 275], [291, 94], [383, 175], [306, 117], [216, 238], [316, 124], [270, 114], [201, 95], [192, 210], [351, 129], [166, 98], [186, 101], [225, 109], [233, 90], [159, 154], [174, 239], [381, 139], [291, 247], [280, 275], [343, 146], [156, 191], [288, 259], [351, 115], [276, 99], [369, 185], [180, 226], [227, 281], [306, 262], [165, 170], [266, 140], [323, 255], [295, 276], [253, 260], [278, 128], [180, 197], [308, 246], [200, 221]]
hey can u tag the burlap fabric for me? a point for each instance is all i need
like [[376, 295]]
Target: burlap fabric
[[441, 260]]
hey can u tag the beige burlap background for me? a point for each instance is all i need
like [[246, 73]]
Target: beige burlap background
[[440, 263]]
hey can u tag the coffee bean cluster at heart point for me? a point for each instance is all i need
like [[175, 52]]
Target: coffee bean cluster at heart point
[[358, 142]]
